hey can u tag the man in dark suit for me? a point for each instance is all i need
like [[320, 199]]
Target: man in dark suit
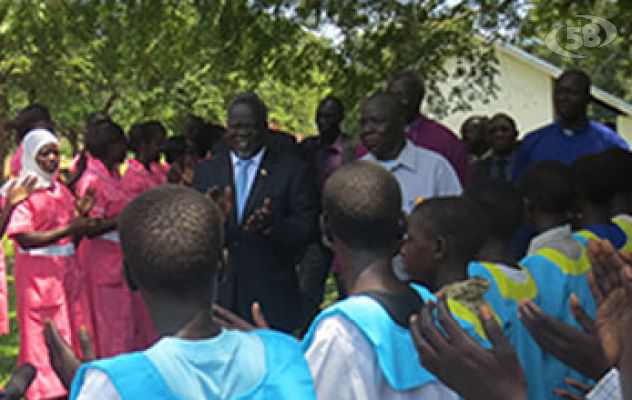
[[272, 218]]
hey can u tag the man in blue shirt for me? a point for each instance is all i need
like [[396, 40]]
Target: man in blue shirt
[[573, 134]]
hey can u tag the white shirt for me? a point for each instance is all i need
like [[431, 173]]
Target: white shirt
[[421, 173], [559, 238], [345, 367]]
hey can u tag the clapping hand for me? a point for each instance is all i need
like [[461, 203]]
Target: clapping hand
[[611, 286], [230, 320], [580, 349], [260, 221], [18, 192], [62, 358], [84, 204], [461, 363], [224, 201]]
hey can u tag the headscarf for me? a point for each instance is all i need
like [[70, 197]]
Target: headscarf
[[31, 145]]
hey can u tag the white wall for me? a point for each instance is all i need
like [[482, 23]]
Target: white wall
[[525, 94], [624, 127]]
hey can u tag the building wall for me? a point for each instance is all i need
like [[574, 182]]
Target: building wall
[[624, 127], [525, 94]]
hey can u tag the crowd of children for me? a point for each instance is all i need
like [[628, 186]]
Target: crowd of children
[[438, 302]]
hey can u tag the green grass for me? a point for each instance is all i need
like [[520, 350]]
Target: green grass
[[9, 343]]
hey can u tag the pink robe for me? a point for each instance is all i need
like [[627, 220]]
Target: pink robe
[[101, 264], [43, 277], [136, 180]]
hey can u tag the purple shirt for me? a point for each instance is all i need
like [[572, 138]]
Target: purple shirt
[[326, 159], [432, 135]]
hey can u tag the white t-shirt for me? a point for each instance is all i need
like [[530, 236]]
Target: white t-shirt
[[345, 367]]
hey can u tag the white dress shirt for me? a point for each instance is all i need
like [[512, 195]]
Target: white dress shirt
[[421, 173]]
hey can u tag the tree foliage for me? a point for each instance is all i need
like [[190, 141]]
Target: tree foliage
[[161, 59], [610, 66]]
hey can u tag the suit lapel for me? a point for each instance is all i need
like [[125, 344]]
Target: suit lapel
[[227, 178], [262, 178]]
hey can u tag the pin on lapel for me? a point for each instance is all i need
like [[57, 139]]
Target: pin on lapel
[[264, 172]]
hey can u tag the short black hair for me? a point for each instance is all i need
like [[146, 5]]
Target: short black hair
[[100, 134], [618, 164], [459, 220], [31, 117], [549, 186], [581, 76], [336, 101], [254, 102], [204, 136], [501, 203], [594, 183], [414, 79], [172, 240], [507, 118], [175, 148], [144, 132], [362, 204]]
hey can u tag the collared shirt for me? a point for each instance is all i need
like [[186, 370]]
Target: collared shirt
[[559, 237], [495, 166], [252, 171], [421, 173], [326, 159], [608, 387], [553, 142], [433, 136]]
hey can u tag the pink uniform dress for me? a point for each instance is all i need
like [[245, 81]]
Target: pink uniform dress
[[4, 292], [101, 263], [42, 277], [136, 180]]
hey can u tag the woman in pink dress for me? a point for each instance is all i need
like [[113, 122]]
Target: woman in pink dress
[[43, 227], [144, 171], [16, 192], [31, 117], [100, 256]]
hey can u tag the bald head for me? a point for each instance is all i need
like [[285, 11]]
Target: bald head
[[362, 207], [382, 126], [571, 96]]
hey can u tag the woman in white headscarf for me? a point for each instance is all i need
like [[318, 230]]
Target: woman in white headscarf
[[43, 227]]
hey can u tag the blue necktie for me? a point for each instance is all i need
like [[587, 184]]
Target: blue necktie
[[241, 186]]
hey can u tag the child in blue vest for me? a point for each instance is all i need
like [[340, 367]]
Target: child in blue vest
[[510, 282], [443, 235], [596, 190], [556, 260], [361, 347], [172, 244]]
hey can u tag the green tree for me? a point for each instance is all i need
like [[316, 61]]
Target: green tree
[[164, 58]]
